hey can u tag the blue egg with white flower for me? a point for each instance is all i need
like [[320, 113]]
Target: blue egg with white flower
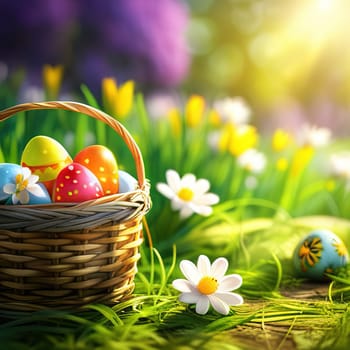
[[8, 173], [127, 183], [319, 252], [19, 186], [40, 196]]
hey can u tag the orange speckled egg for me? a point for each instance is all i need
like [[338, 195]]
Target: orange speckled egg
[[102, 162], [45, 157], [76, 183]]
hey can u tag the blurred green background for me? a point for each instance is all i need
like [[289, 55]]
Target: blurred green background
[[288, 59]]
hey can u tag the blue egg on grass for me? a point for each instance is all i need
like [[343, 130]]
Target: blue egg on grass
[[319, 252], [8, 172], [127, 183]]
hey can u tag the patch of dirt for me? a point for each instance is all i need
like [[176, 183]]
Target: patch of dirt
[[281, 335]]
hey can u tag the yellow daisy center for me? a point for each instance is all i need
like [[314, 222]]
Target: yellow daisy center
[[21, 183], [186, 194], [207, 285]]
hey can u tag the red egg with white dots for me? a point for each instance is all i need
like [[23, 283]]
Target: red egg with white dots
[[76, 183], [102, 162]]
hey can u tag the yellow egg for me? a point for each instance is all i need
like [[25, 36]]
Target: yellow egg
[[45, 157]]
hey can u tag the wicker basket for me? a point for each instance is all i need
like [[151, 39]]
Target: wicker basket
[[68, 255]]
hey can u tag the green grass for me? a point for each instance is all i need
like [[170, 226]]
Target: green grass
[[154, 319]]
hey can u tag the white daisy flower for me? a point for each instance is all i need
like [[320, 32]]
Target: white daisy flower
[[206, 285], [252, 160], [340, 164], [25, 183], [187, 194], [233, 110], [314, 136]]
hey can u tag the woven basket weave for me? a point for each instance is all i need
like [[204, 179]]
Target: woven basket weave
[[68, 255]]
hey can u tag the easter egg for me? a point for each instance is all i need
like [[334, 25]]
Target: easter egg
[[101, 161], [45, 157], [8, 173], [43, 197], [76, 183], [127, 183], [319, 252], [21, 181]]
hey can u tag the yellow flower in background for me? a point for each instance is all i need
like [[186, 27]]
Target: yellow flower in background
[[175, 121], [52, 80], [214, 118], [125, 98], [117, 101], [109, 94], [244, 138], [226, 137], [301, 159], [282, 164], [194, 110], [280, 140], [237, 139]]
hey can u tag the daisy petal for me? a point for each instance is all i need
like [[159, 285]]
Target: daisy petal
[[9, 188], [208, 199], [24, 197], [230, 282], [201, 186], [26, 172], [36, 190], [203, 265], [173, 180], [189, 298], [202, 209], [219, 305], [15, 200], [202, 306], [188, 180], [176, 204], [219, 268], [185, 212], [190, 271], [165, 190], [230, 298], [183, 285], [33, 179]]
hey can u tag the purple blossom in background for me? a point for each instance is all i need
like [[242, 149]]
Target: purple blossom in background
[[140, 39], [143, 40], [35, 32]]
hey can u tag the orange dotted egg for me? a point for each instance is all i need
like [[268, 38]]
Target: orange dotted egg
[[76, 183], [102, 162]]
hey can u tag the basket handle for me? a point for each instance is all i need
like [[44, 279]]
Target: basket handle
[[91, 112]]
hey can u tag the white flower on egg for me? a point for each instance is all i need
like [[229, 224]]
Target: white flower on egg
[[206, 284], [25, 183], [187, 194]]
